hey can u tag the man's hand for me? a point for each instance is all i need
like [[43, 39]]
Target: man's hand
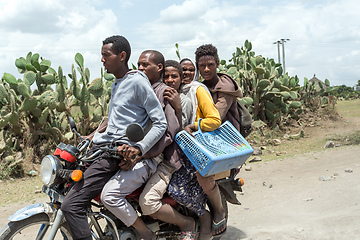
[[190, 128], [90, 137], [131, 156], [173, 97]]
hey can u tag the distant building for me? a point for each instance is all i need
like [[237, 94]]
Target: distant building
[[316, 80]]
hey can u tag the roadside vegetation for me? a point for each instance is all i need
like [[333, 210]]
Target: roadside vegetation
[[342, 127], [341, 130], [35, 109]]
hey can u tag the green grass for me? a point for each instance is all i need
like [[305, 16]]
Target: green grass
[[347, 139], [316, 140], [349, 108]]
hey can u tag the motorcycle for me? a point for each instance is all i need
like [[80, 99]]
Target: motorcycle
[[61, 170]]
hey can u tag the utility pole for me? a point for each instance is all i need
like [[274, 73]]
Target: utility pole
[[282, 42], [278, 47]]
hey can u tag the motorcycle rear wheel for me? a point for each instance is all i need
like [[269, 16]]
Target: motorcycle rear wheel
[[29, 228]]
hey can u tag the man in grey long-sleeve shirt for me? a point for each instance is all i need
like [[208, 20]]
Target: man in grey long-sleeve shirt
[[150, 62], [132, 100]]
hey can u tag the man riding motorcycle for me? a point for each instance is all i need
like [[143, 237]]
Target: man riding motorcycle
[[132, 100]]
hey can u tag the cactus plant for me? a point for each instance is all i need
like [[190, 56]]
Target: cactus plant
[[40, 112], [261, 80], [89, 95]]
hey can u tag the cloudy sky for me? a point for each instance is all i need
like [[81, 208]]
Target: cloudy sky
[[324, 34]]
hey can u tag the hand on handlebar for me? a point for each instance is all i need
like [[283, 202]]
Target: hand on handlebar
[[90, 137], [131, 156]]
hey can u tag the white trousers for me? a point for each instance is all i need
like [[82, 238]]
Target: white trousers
[[122, 184]]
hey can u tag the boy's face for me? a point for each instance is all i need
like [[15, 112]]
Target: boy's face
[[172, 77], [110, 60], [188, 71], [207, 67], [147, 65]]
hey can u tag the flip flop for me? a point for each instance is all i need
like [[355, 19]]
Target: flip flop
[[217, 225], [188, 235]]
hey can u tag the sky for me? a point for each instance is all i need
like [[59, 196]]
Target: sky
[[324, 35]]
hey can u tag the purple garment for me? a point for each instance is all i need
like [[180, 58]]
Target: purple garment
[[166, 144]]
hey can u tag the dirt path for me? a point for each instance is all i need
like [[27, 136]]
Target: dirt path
[[308, 197]]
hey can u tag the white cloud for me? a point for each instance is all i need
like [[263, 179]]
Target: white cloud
[[35, 17], [320, 31], [80, 28]]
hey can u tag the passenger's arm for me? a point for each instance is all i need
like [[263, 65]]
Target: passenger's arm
[[100, 129], [156, 115], [173, 128], [223, 104], [211, 119], [187, 110]]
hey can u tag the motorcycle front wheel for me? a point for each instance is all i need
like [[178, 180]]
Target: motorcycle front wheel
[[35, 227]]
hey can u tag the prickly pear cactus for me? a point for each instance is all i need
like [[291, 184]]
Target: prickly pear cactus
[[37, 107], [262, 81], [89, 95]]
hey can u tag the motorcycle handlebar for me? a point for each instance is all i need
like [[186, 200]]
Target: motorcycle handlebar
[[84, 144], [113, 152]]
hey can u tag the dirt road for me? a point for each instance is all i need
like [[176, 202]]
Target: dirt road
[[312, 196]]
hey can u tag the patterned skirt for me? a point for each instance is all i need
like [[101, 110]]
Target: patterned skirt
[[185, 189]]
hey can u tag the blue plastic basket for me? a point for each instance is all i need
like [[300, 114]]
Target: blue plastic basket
[[216, 151]]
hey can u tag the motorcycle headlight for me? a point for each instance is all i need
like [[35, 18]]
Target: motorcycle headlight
[[50, 167]]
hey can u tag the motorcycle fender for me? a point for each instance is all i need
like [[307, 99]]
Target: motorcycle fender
[[32, 210], [228, 191]]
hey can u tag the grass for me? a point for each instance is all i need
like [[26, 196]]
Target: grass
[[347, 139], [349, 108], [290, 148], [25, 189], [316, 137]]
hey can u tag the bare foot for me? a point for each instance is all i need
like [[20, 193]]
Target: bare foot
[[144, 232], [151, 236]]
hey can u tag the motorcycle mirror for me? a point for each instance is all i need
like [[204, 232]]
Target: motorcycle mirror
[[134, 132], [72, 124]]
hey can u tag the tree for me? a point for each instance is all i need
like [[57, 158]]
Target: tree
[[357, 86]]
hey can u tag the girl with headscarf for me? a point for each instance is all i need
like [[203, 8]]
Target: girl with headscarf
[[184, 187], [204, 106]]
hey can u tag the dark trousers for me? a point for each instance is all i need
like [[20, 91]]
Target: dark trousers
[[81, 194]]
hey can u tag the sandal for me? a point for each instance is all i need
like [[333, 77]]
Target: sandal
[[218, 225], [188, 235]]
